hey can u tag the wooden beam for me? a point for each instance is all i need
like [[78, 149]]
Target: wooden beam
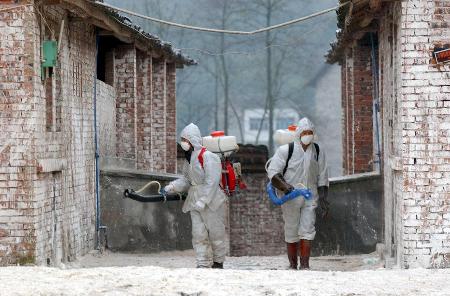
[[101, 20], [109, 25], [155, 54], [50, 2], [105, 33]]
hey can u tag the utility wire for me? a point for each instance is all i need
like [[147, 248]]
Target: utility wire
[[45, 21], [232, 32], [296, 42]]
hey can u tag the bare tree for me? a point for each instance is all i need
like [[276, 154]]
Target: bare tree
[[266, 71], [217, 74], [273, 65], [227, 10]]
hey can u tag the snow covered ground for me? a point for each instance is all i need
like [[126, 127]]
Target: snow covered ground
[[174, 274]]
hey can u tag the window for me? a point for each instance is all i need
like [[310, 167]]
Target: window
[[256, 122], [77, 78], [105, 60]]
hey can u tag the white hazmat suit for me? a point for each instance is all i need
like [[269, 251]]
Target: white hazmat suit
[[299, 214], [205, 200]]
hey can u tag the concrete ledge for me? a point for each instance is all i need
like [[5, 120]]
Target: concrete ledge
[[354, 178], [51, 165]]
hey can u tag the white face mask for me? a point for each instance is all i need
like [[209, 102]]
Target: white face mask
[[185, 146], [306, 140]]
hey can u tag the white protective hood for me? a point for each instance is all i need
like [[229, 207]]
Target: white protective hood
[[304, 124], [192, 133]]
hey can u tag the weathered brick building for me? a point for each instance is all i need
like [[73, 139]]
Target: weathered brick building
[[59, 60], [386, 49]]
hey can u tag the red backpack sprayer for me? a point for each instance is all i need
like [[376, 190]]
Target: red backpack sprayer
[[231, 180], [225, 146]]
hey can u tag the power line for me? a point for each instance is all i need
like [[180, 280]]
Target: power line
[[296, 42], [232, 32]]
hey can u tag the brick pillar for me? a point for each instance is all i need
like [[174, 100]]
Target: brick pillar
[[125, 83], [357, 99], [144, 111], [171, 119], [158, 118], [363, 107]]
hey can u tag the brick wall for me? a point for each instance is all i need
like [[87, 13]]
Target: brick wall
[[415, 124], [357, 100], [126, 90], [363, 110], [424, 118], [158, 117], [47, 155], [146, 110], [171, 119], [49, 192], [64, 190], [17, 228]]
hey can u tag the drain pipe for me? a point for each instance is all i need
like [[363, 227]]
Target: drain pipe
[[98, 226], [376, 102]]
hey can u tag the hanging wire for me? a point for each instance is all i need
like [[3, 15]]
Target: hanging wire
[[232, 32], [45, 21], [296, 42]]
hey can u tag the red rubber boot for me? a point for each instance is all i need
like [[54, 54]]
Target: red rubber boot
[[305, 251], [292, 251]]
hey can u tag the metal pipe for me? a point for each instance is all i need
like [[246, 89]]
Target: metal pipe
[[376, 101], [98, 225]]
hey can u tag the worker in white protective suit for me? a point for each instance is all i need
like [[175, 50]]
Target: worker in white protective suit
[[307, 166], [205, 200]]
